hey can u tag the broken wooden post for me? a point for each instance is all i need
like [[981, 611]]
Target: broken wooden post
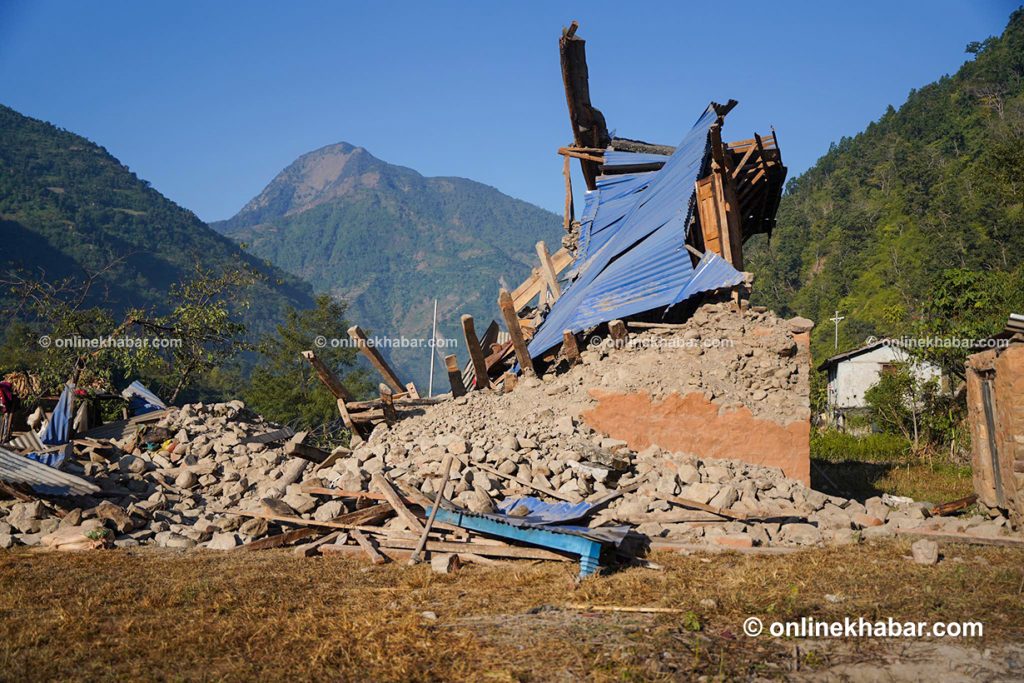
[[508, 382], [377, 360], [547, 269], [508, 312], [387, 402], [451, 363], [476, 354], [617, 330], [570, 350], [326, 376]]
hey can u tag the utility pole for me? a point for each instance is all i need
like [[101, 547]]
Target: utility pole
[[433, 340], [836, 320]]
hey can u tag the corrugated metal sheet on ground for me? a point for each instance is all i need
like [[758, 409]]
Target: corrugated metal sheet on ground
[[17, 469], [635, 259]]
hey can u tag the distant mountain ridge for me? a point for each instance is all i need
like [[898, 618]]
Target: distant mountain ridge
[[67, 205], [389, 240]]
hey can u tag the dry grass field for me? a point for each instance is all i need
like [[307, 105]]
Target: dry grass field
[[159, 615]]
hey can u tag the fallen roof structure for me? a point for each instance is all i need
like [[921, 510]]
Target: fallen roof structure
[[660, 223]]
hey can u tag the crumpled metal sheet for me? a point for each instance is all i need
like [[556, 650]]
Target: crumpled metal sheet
[[633, 256], [17, 469]]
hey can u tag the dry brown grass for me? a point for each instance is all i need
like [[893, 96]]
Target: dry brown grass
[[270, 615]]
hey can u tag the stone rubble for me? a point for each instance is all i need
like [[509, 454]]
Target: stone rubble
[[522, 443]]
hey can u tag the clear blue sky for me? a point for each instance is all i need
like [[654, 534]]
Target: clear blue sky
[[209, 100]]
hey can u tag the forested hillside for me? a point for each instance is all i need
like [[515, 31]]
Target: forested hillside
[[68, 208], [916, 225], [389, 240]]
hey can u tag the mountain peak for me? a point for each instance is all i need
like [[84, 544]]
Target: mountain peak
[[317, 177]]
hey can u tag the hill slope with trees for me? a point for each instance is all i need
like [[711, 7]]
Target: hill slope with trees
[[916, 225]]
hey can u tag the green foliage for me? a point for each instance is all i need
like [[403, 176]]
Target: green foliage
[[903, 403], [836, 446], [68, 209], [284, 388], [916, 225]]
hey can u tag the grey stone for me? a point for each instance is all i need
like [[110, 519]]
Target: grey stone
[[925, 551]]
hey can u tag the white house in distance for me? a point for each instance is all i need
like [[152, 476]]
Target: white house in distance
[[852, 373]]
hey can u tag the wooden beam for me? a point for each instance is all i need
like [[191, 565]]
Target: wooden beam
[[326, 376], [387, 404], [587, 122], [381, 483], [451, 364], [377, 360], [532, 286], [485, 549], [508, 312], [476, 354], [547, 269]]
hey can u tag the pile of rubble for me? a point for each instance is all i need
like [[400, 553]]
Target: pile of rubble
[[207, 475]]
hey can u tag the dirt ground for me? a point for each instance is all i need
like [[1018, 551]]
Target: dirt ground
[[161, 615]]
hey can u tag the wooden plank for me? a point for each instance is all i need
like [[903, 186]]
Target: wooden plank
[[381, 483], [570, 349], [326, 376], [299, 521], [532, 286], [368, 546], [475, 547], [310, 549], [515, 477], [508, 312], [311, 453], [547, 269], [377, 360], [278, 540], [568, 152], [451, 364], [476, 354], [697, 505], [954, 537]]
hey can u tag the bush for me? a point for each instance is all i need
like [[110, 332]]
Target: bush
[[836, 446]]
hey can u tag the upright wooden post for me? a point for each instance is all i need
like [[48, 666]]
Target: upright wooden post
[[569, 209], [617, 330], [548, 270], [476, 354], [508, 312], [570, 350], [387, 403], [454, 376], [377, 360]]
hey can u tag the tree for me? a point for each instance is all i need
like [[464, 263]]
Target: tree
[[283, 387]]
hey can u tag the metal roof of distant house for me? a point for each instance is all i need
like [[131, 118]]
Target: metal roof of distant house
[[846, 355]]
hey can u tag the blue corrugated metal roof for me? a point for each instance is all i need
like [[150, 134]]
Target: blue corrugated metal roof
[[617, 158], [632, 257]]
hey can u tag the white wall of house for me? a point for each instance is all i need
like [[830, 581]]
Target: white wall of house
[[850, 378]]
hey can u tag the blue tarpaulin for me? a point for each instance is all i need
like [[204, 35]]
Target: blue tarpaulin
[[141, 400], [632, 255], [58, 429]]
